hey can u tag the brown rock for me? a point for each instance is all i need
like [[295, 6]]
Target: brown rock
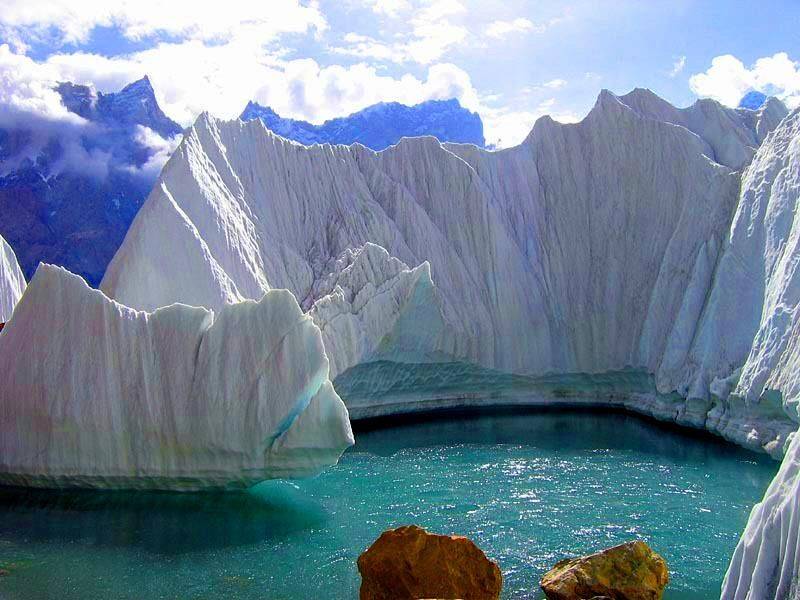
[[409, 563], [629, 571]]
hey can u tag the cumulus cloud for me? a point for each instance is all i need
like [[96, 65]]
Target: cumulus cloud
[[507, 127], [27, 95], [389, 8], [160, 151], [74, 20], [728, 79], [27, 90]]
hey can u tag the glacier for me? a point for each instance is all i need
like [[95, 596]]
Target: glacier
[[182, 398], [764, 241], [644, 258], [522, 258], [12, 281]]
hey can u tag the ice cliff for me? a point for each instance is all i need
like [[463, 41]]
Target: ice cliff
[[180, 398], [645, 239], [12, 281], [761, 264], [589, 248]]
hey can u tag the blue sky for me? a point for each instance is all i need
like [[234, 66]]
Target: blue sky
[[511, 61]]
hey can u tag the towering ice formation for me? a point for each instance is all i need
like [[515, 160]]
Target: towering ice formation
[[588, 248], [180, 398], [766, 562], [365, 306], [758, 331], [732, 135], [12, 281]]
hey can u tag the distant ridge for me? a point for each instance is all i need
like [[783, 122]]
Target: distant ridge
[[69, 199], [752, 100], [380, 125]]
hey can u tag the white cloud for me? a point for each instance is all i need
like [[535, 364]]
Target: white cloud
[[555, 84], [390, 8], [160, 149], [191, 77], [431, 35], [728, 79], [26, 88], [677, 66], [74, 20], [27, 95], [505, 128], [498, 29]]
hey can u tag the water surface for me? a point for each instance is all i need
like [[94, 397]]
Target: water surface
[[529, 488]]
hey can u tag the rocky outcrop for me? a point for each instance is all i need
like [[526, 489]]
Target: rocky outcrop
[[179, 399], [630, 571], [409, 563]]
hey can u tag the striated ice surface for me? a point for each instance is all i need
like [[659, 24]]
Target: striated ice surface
[[590, 248], [180, 398], [762, 265], [12, 281], [766, 562], [648, 249]]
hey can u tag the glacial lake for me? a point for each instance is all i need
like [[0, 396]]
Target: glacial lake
[[528, 488]]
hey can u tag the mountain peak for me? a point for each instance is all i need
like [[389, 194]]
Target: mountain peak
[[753, 100], [380, 125], [136, 104], [140, 86]]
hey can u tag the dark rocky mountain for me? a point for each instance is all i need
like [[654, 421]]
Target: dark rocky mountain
[[379, 126], [69, 199], [752, 100]]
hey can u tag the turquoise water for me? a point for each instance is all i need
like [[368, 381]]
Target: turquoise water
[[530, 489]]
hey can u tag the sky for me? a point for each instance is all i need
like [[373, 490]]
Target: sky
[[511, 61]]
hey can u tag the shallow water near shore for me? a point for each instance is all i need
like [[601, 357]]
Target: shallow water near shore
[[529, 488]]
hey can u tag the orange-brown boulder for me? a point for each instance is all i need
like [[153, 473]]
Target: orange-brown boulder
[[630, 571], [410, 563]]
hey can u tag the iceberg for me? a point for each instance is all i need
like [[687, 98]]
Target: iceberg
[[182, 398]]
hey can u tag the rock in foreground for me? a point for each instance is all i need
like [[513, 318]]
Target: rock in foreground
[[408, 562], [630, 571]]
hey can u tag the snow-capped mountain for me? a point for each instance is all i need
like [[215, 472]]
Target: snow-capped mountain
[[379, 126], [68, 198]]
